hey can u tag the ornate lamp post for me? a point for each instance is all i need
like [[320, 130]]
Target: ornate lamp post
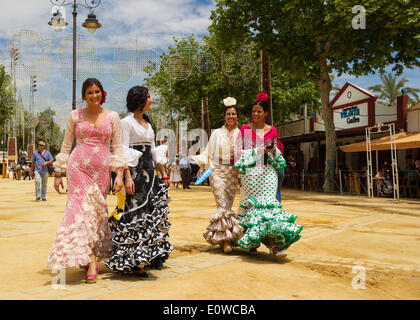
[[91, 23]]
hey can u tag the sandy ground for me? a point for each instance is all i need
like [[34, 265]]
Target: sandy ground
[[345, 239]]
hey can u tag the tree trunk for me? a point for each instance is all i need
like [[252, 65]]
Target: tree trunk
[[330, 136], [265, 82], [205, 125]]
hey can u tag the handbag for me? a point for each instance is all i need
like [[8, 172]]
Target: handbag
[[50, 166]]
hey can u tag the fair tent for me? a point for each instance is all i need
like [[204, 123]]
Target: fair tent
[[404, 140]]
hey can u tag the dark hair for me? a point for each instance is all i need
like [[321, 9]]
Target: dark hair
[[90, 82], [230, 107], [136, 99], [263, 104]]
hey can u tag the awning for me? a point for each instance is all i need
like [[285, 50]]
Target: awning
[[404, 140]]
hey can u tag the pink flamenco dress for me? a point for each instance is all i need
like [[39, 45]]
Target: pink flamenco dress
[[84, 229]]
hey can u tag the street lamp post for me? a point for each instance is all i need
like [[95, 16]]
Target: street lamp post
[[14, 57], [33, 88], [91, 23]]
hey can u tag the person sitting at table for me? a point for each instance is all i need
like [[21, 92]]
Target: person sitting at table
[[380, 180]]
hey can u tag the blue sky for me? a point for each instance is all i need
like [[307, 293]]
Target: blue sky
[[152, 23]]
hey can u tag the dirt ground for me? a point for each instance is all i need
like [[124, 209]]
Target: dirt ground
[[351, 248]]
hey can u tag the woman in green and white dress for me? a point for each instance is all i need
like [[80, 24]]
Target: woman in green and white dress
[[258, 160]]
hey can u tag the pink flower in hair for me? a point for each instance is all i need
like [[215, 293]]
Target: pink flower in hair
[[262, 96], [103, 97]]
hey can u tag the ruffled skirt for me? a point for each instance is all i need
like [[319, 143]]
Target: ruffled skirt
[[224, 225], [84, 230], [141, 233], [263, 217]]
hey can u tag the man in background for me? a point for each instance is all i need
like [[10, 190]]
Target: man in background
[[41, 159], [185, 172]]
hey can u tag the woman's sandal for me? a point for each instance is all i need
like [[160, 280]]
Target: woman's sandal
[[91, 278], [276, 253]]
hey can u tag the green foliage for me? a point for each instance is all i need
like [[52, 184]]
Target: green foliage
[[391, 87], [184, 96], [7, 100], [49, 131], [300, 32]]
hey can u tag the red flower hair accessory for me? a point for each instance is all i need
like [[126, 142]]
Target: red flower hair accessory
[[262, 96], [103, 97]]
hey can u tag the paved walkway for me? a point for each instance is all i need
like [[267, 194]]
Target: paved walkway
[[344, 237]]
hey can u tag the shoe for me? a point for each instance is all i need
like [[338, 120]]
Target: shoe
[[278, 254], [156, 263], [44, 199], [227, 247], [91, 278], [37, 199], [253, 251], [139, 272], [188, 188]]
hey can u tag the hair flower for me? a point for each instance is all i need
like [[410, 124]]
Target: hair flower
[[229, 101], [103, 97], [262, 96]]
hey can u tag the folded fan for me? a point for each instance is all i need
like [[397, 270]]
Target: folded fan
[[206, 173]]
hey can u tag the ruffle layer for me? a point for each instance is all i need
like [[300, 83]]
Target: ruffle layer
[[89, 234], [117, 162], [142, 235], [60, 163], [260, 201], [250, 157], [224, 226], [284, 234]]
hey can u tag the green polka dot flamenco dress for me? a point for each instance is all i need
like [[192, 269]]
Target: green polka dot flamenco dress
[[263, 218]]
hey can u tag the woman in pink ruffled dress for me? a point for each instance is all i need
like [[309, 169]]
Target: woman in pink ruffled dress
[[84, 234]]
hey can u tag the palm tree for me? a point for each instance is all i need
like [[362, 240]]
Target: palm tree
[[391, 88]]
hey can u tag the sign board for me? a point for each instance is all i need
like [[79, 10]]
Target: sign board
[[350, 117]]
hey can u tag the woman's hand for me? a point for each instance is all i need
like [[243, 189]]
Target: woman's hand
[[58, 181], [117, 184], [272, 151], [167, 183], [129, 186], [200, 171]]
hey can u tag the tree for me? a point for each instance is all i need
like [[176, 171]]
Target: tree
[[312, 38], [7, 100], [390, 88], [49, 131]]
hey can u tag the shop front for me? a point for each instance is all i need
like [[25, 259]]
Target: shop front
[[353, 110]]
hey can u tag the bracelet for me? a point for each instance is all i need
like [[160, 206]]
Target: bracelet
[[165, 178], [129, 179]]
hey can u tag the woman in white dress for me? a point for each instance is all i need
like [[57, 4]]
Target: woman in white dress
[[140, 233], [175, 173], [224, 229]]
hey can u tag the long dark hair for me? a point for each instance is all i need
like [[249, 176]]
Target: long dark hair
[[90, 82], [136, 99], [263, 104]]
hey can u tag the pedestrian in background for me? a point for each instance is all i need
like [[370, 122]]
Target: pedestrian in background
[[185, 166], [41, 159]]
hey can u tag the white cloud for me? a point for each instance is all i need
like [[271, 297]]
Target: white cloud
[[154, 23]]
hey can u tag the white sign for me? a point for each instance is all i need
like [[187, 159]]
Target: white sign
[[354, 116]]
